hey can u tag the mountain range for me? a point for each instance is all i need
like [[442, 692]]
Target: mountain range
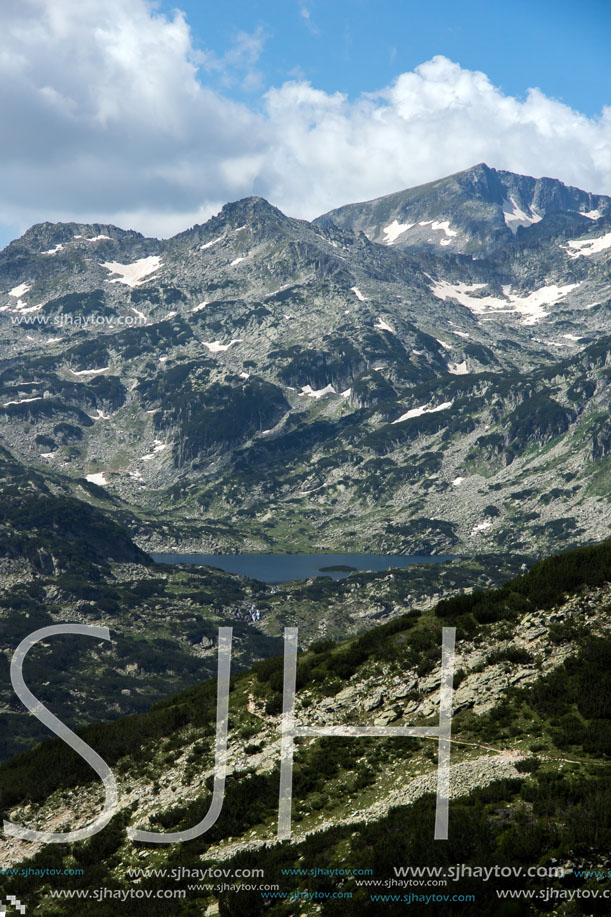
[[426, 372]]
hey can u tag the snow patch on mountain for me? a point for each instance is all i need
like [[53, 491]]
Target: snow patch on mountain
[[530, 306], [587, 247], [418, 412], [21, 290], [89, 372], [217, 347], [444, 226], [212, 242], [394, 230], [22, 401], [97, 478], [316, 393], [440, 226], [514, 216], [53, 251], [158, 446], [358, 293], [458, 369], [382, 326], [459, 291], [134, 273]]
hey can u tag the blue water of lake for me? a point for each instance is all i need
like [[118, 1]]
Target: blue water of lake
[[283, 568]]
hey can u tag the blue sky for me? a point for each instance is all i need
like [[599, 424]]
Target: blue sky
[[152, 115], [561, 46]]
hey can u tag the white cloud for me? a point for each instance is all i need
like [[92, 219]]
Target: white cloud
[[238, 65], [305, 14], [109, 115], [105, 116], [427, 124]]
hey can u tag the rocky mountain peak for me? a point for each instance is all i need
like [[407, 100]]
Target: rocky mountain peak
[[41, 237], [476, 211], [253, 211]]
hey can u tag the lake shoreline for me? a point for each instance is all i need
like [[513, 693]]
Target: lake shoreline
[[275, 568]]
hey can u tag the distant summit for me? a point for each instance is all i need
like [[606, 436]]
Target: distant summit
[[473, 212]]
